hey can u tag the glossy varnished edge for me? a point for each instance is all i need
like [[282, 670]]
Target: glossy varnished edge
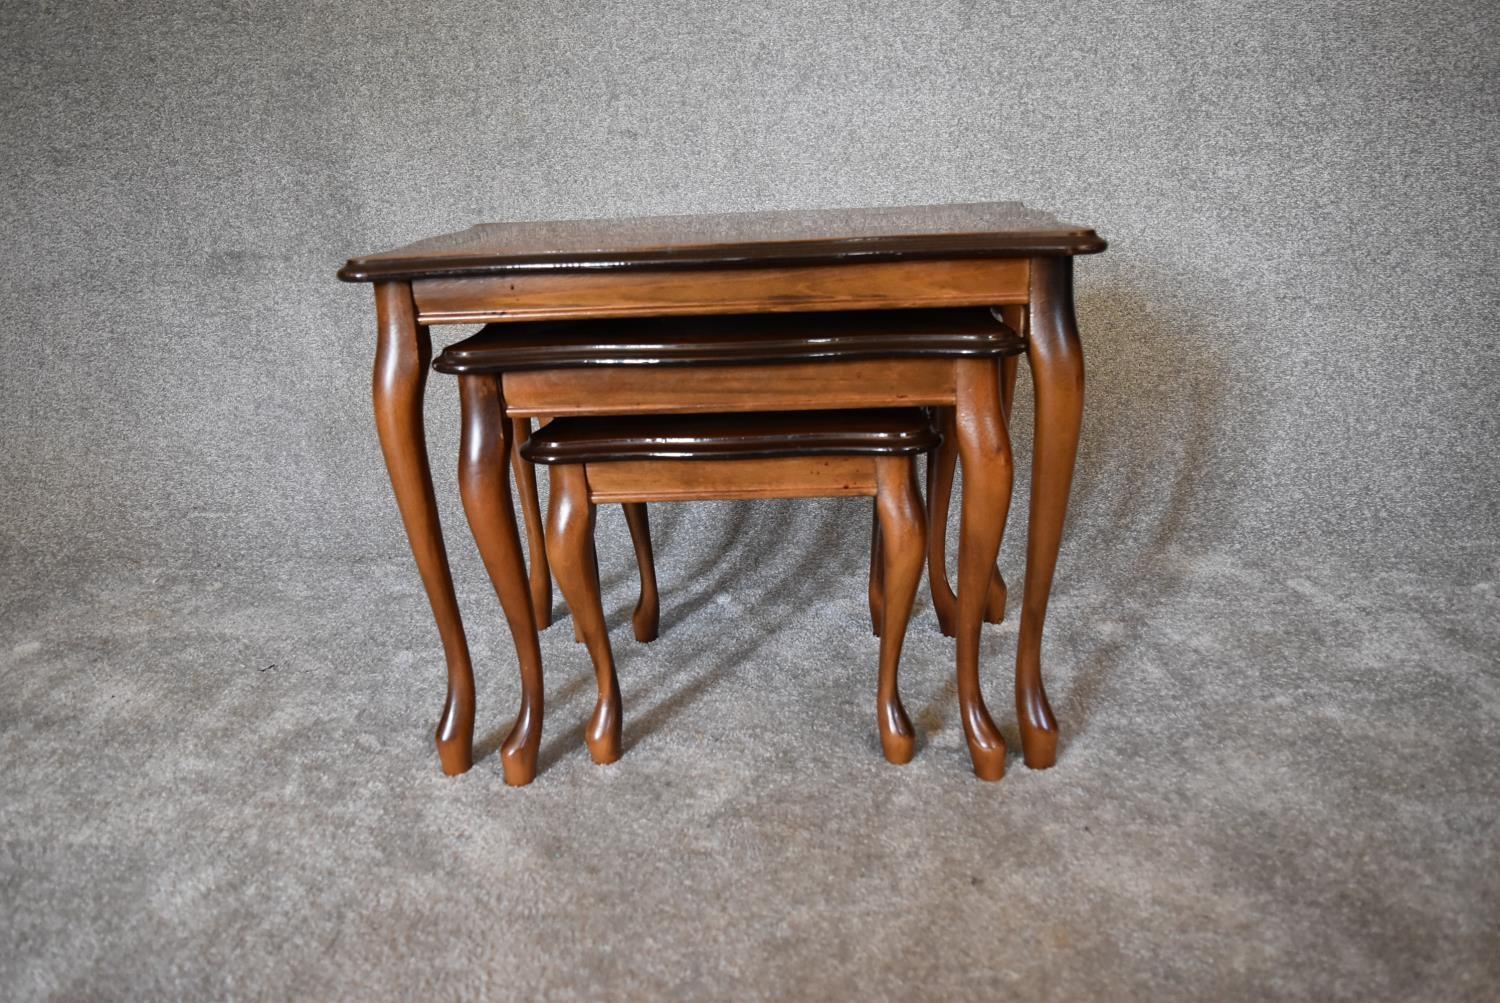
[[520, 363], [628, 441], [460, 358], [904, 247]]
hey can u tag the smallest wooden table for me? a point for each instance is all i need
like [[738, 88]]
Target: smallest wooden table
[[1000, 255]]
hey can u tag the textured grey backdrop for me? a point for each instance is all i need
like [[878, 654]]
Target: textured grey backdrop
[[1280, 562]]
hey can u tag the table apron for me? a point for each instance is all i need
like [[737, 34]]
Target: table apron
[[725, 480], [583, 293], [798, 386]]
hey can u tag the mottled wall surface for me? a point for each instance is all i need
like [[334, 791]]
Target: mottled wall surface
[[1290, 342]]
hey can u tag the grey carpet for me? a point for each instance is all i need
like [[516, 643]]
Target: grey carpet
[[219, 784], [1273, 648]]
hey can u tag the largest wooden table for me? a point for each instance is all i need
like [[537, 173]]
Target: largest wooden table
[[996, 254]]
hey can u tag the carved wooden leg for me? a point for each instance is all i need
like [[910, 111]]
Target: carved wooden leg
[[570, 535], [877, 573], [994, 606], [646, 620], [577, 630], [531, 511], [1008, 367], [403, 351], [903, 532], [485, 488], [940, 466], [985, 451], [594, 562], [1056, 358], [1015, 316]]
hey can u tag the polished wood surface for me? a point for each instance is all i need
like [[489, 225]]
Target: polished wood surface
[[984, 447], [1056, 357], [403, 350], [621, 389], [734, 339], [732, 480], [1026, 273], [880, 285], [485, 489], [734, 436], [616, 391], [728, 240], [902, 535], [782, 387], [703, 443], [941, 464], [876, 577], [633, 343], [645, 621], [531, 511], [570, 544]]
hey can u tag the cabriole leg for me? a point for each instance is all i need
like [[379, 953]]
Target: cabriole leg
[[531, 512], [941, 463], [403, 351], [1056, 357], [903, 536], [485, 488], [877, 573], [570, 545], [984, 448], [646, 620]]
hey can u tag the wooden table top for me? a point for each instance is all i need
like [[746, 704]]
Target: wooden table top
[[720, 240]]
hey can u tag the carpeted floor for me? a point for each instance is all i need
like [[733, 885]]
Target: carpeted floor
[[1276, 782]]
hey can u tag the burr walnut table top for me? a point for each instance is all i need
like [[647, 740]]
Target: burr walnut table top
[[724, 240]]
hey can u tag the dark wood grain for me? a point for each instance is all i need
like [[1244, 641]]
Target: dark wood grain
[[911, 258], [863, 285], [725, 240], [607, 390], [755, 339], [886, 432], [732, 480]]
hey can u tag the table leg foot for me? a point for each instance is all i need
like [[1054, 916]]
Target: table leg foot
[[994, 602], [455, 734], [518, 752]]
